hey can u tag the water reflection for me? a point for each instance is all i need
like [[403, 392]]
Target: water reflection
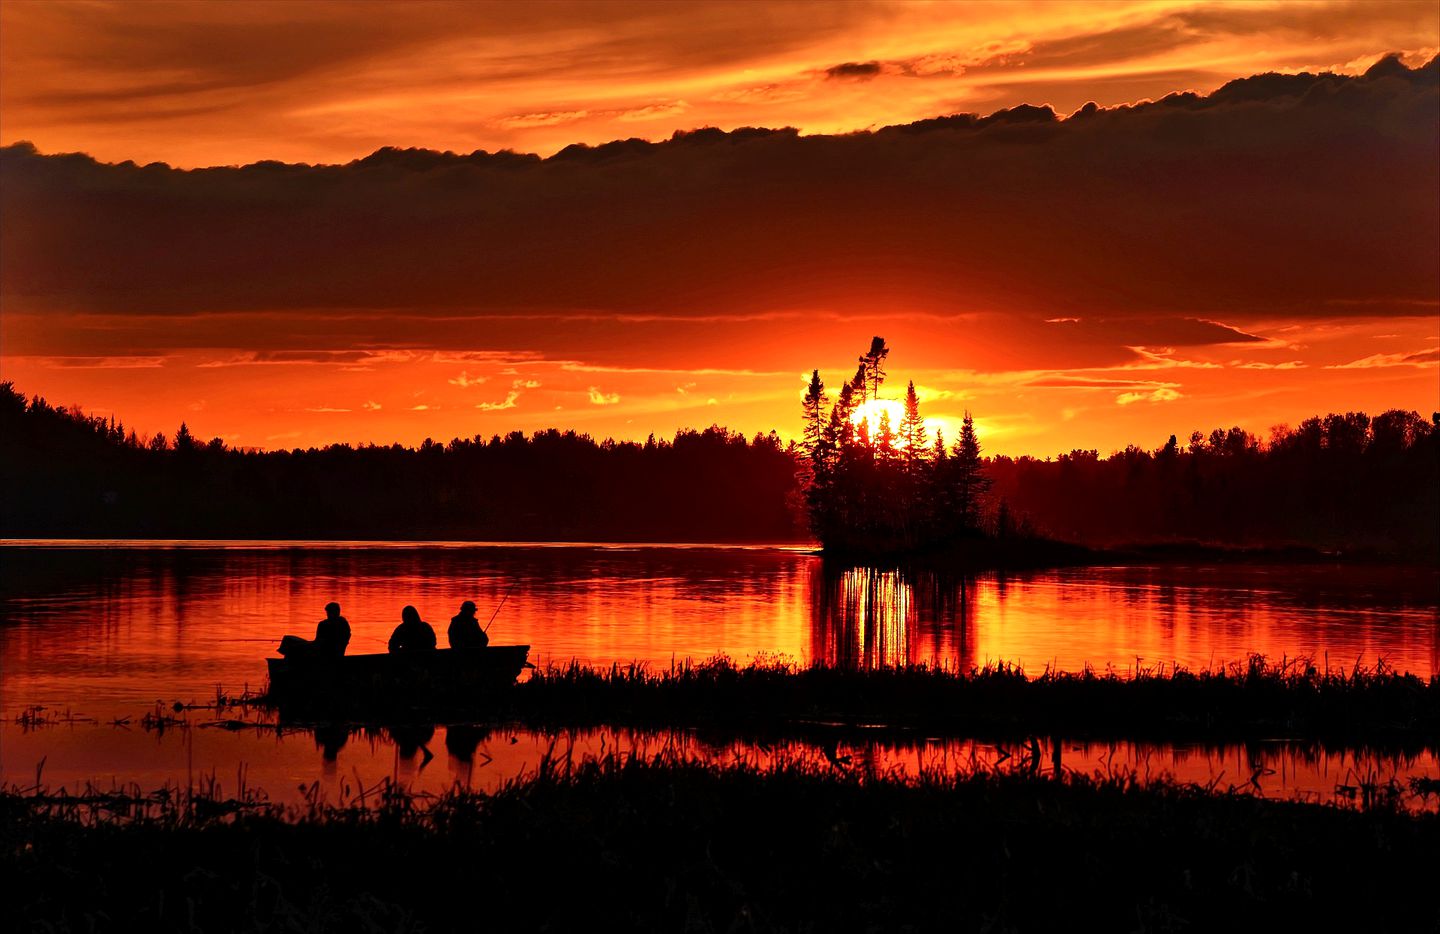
[[293, 763], [101, 629], [868, 617], [105, 632], [1118, 618]]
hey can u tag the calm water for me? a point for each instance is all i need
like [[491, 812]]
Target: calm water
[[105, 632]]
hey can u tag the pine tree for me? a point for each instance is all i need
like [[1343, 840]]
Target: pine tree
[[912, 431], [184, 440], [844, 414], [814, 414], [820, 443], [885, 439], [970, 483], [936, 496], [872, 366], [859, 381]]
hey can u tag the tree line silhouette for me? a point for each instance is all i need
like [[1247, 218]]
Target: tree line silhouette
[[1345, 481], [64, 472], [1340, 481]]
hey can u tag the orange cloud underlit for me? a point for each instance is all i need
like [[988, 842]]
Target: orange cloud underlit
[[222, 84], [1251, 258]]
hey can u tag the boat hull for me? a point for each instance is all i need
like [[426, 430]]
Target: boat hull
[[397, 679]]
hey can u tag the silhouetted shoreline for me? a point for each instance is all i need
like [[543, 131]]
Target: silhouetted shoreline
[[1341, 485], [667, 844], [1038, 554]]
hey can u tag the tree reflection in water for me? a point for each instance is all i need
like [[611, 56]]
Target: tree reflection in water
[[867, 617]]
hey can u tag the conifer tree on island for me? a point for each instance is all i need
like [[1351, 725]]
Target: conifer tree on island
[[882, 488]]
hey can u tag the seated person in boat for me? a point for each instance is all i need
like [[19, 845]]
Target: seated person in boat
[[332, 635], [465, 631], [413, 634]]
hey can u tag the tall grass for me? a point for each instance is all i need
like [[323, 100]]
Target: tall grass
[[1359, 706], [652, 843]]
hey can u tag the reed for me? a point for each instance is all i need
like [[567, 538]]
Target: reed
[[665, 843], [1358, 707]]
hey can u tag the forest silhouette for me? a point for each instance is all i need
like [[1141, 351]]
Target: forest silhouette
[[1348, 481], [1340, 481], [67, 473]]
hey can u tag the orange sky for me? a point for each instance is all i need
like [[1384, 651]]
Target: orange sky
[[623, 298]]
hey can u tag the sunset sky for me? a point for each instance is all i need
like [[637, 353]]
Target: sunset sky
[[1252, 257]]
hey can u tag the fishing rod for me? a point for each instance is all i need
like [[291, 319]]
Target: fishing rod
[[502, 603]]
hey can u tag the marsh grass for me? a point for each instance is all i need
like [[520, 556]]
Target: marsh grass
[[1359, 707], [660, 842]]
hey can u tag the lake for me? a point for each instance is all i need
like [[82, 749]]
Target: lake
[[97, 633]]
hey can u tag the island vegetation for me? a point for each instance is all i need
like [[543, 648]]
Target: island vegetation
[[874, 487]]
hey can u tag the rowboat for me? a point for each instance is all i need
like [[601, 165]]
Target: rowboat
[[397, 678]]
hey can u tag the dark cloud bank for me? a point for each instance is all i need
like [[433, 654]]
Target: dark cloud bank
[[1303, 195]]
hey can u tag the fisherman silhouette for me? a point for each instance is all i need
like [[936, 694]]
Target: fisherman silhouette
[[332, 635], [465, 631], [413, 634]]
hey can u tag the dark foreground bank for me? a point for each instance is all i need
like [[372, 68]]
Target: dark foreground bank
[[665, 845]]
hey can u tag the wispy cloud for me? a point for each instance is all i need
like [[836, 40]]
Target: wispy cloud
[[542, 118], [1258, 365], [118, 362], [602, 398], [465, 381], [1095, 382], [511, 398], [576, 367], [348, 358], [1422, 358], [369, 357], [653, 111], [1163, 394], [1163, 358]]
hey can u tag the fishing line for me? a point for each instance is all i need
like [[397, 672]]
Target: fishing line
[[502, 603]]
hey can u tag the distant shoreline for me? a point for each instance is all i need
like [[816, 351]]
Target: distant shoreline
[[966, 558]]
